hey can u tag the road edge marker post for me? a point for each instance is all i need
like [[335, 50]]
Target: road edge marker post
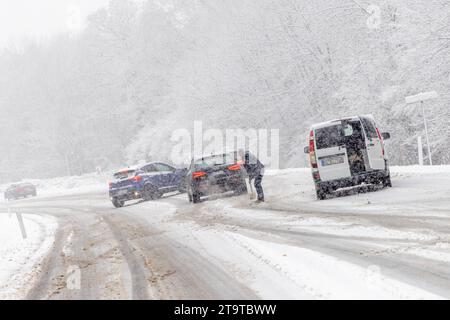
[[22, 225]]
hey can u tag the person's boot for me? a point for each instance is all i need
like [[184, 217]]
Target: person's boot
[[260, 200]]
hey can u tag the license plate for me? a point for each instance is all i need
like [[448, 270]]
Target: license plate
[[332, 161], [122, 192]]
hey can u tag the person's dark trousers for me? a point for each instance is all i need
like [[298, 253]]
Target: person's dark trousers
[[258, 186]]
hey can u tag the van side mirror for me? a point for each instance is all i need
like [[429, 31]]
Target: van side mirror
[[386, 135], [306, 150]]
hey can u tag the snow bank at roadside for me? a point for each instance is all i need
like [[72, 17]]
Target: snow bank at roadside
[[20, 257]]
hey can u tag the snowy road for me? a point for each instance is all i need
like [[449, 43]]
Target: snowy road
[[386, 244]]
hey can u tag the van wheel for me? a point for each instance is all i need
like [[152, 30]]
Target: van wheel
[[387, 183], [321, 194]]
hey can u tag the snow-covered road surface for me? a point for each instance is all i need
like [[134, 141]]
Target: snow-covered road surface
[[388, 244]]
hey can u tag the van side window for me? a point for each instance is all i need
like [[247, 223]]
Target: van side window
[[369, 128]]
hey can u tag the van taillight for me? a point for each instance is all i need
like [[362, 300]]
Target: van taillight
[[110, 185], [316, 176], [312, 150]]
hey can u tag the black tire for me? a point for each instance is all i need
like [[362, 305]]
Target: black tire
[[321, 193], [151, 193], [118, 203], [196, 198], [387, 183]]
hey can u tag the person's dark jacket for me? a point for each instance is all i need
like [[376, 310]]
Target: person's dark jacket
[[253, 166]]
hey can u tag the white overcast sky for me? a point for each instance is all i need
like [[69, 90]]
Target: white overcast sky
[[41, 19]]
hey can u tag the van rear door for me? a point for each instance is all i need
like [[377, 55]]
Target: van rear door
[[374, 144], [331, 153]]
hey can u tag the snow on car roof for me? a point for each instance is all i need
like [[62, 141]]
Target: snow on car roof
[[133, 168], [206, 156], [136, 167]]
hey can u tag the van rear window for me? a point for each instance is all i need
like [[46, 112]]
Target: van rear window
[[329, 137]]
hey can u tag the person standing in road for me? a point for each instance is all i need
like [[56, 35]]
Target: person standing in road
[[255, 171]]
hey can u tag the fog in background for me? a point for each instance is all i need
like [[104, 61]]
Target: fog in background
[[86, 84]]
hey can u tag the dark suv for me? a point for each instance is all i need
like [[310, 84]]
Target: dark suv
[[216, 174], [20, 190], [150, 181]]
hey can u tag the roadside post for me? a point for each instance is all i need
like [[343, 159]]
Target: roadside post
[[420, 150], [21, 225], [422, 97], [9, 208], [19, 217]]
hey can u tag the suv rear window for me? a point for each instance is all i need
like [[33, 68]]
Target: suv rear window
[[329, 137], [217, 160], [124, 174]]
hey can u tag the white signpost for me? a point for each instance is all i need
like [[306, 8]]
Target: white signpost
[[420, 149], [421, 97], [19, 219]]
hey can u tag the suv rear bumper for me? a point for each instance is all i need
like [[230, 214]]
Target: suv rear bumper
[[208, 188], [367, 177], [131, 194]]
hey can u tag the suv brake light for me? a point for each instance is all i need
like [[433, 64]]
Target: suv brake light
[[137, 179], [235, 167], [198, 174]]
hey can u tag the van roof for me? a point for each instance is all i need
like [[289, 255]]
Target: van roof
[[333, 122]]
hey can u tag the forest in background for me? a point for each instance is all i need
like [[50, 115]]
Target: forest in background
[[113, 94]]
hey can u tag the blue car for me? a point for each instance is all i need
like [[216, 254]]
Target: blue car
[[149, 182]]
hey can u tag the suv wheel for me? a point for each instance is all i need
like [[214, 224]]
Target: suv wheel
[[118, 203], [151, 193], [195, 198]]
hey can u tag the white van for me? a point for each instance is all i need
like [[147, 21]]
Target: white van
[[347, 152]]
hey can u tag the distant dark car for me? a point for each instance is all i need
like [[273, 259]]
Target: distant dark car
[[149, 182], [215, 174], [20, 190]]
